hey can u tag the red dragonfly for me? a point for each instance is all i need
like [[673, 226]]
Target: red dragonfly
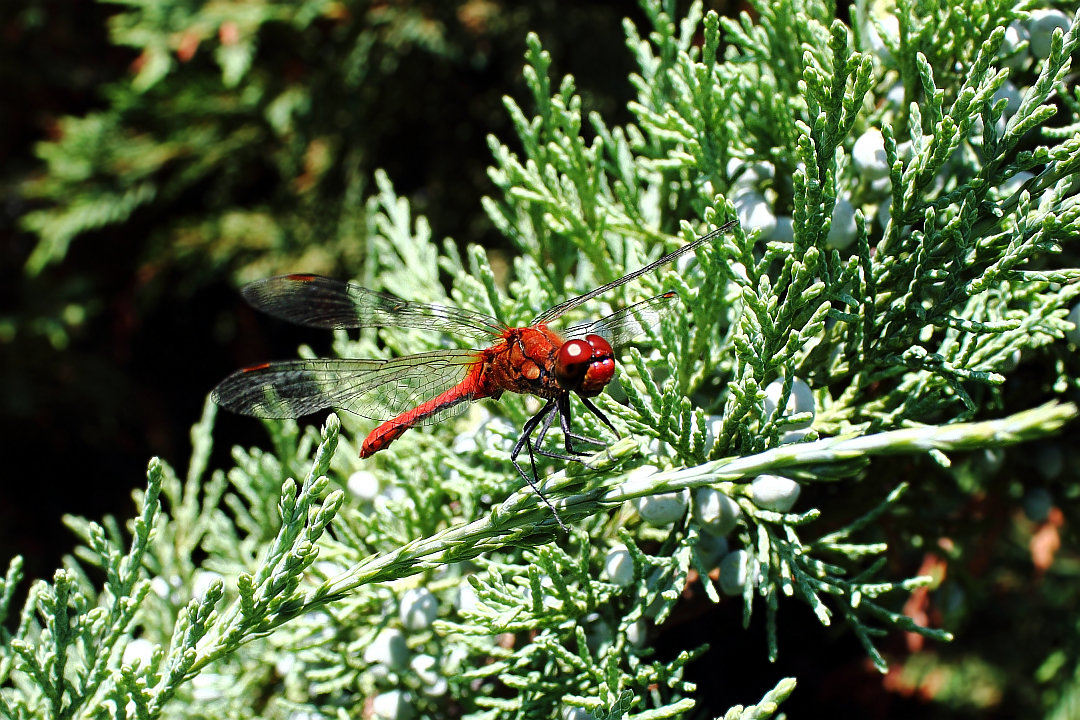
[[427, 387]]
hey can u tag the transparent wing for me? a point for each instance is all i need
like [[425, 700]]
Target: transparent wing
[[375, 389], [323, 302], [552, 313], [622, 326]]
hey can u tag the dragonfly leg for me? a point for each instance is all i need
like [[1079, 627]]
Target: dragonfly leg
[[546, 414], [539, 441], [585, 439], [597, 412], [568, 435], [571, 454]]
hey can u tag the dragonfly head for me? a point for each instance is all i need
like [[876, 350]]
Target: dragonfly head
[[585, 365]]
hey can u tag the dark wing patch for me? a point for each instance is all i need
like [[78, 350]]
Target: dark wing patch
[[323, 302], [375, 389]]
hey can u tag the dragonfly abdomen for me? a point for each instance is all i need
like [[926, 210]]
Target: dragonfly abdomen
[[470, 388]]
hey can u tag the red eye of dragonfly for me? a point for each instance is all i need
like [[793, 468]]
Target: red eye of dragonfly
[[428, 387], [585, 366]]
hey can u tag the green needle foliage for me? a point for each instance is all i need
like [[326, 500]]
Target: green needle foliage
[[427, 582]]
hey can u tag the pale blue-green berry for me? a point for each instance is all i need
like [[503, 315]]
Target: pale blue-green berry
[[746, 175], [734, 572], [388, 648], [713, 425], [392, 705], [1050, 461], [619, 566], [754, 213], [598, 633], [426, 668], [1042, 24], [890, 28], [663, 509], [466, 599], [138, 650], [1016, 37], [842, 230], [800, 400], [884, 212], [638, 632], [418, 609], [1011, 94], [209, 686], [784, 230], [714, 511], [774, 492], [1013, 184], [868, 155], [710, 549], [1037, 504]]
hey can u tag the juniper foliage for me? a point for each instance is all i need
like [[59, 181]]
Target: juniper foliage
[[426, 580]]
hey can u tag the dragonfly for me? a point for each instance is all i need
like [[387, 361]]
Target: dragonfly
[[427, 387]]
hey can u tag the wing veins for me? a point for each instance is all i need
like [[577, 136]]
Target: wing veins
[[558, 310], [376, 389], [628, 323], [322, 302]]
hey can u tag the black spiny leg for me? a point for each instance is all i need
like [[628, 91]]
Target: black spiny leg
[[543, 419], [569, 435], [603, 418], [571, 454], [539, 442], [546, 415], [563, 405]]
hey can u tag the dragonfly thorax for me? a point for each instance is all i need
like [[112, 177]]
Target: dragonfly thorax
[[585, 365]]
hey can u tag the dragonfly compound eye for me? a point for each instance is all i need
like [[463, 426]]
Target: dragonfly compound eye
[[585, 365]]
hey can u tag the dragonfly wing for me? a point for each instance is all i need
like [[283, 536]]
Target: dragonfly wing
[[554, 312], [622, 326], [323, 302], [375, 389]]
